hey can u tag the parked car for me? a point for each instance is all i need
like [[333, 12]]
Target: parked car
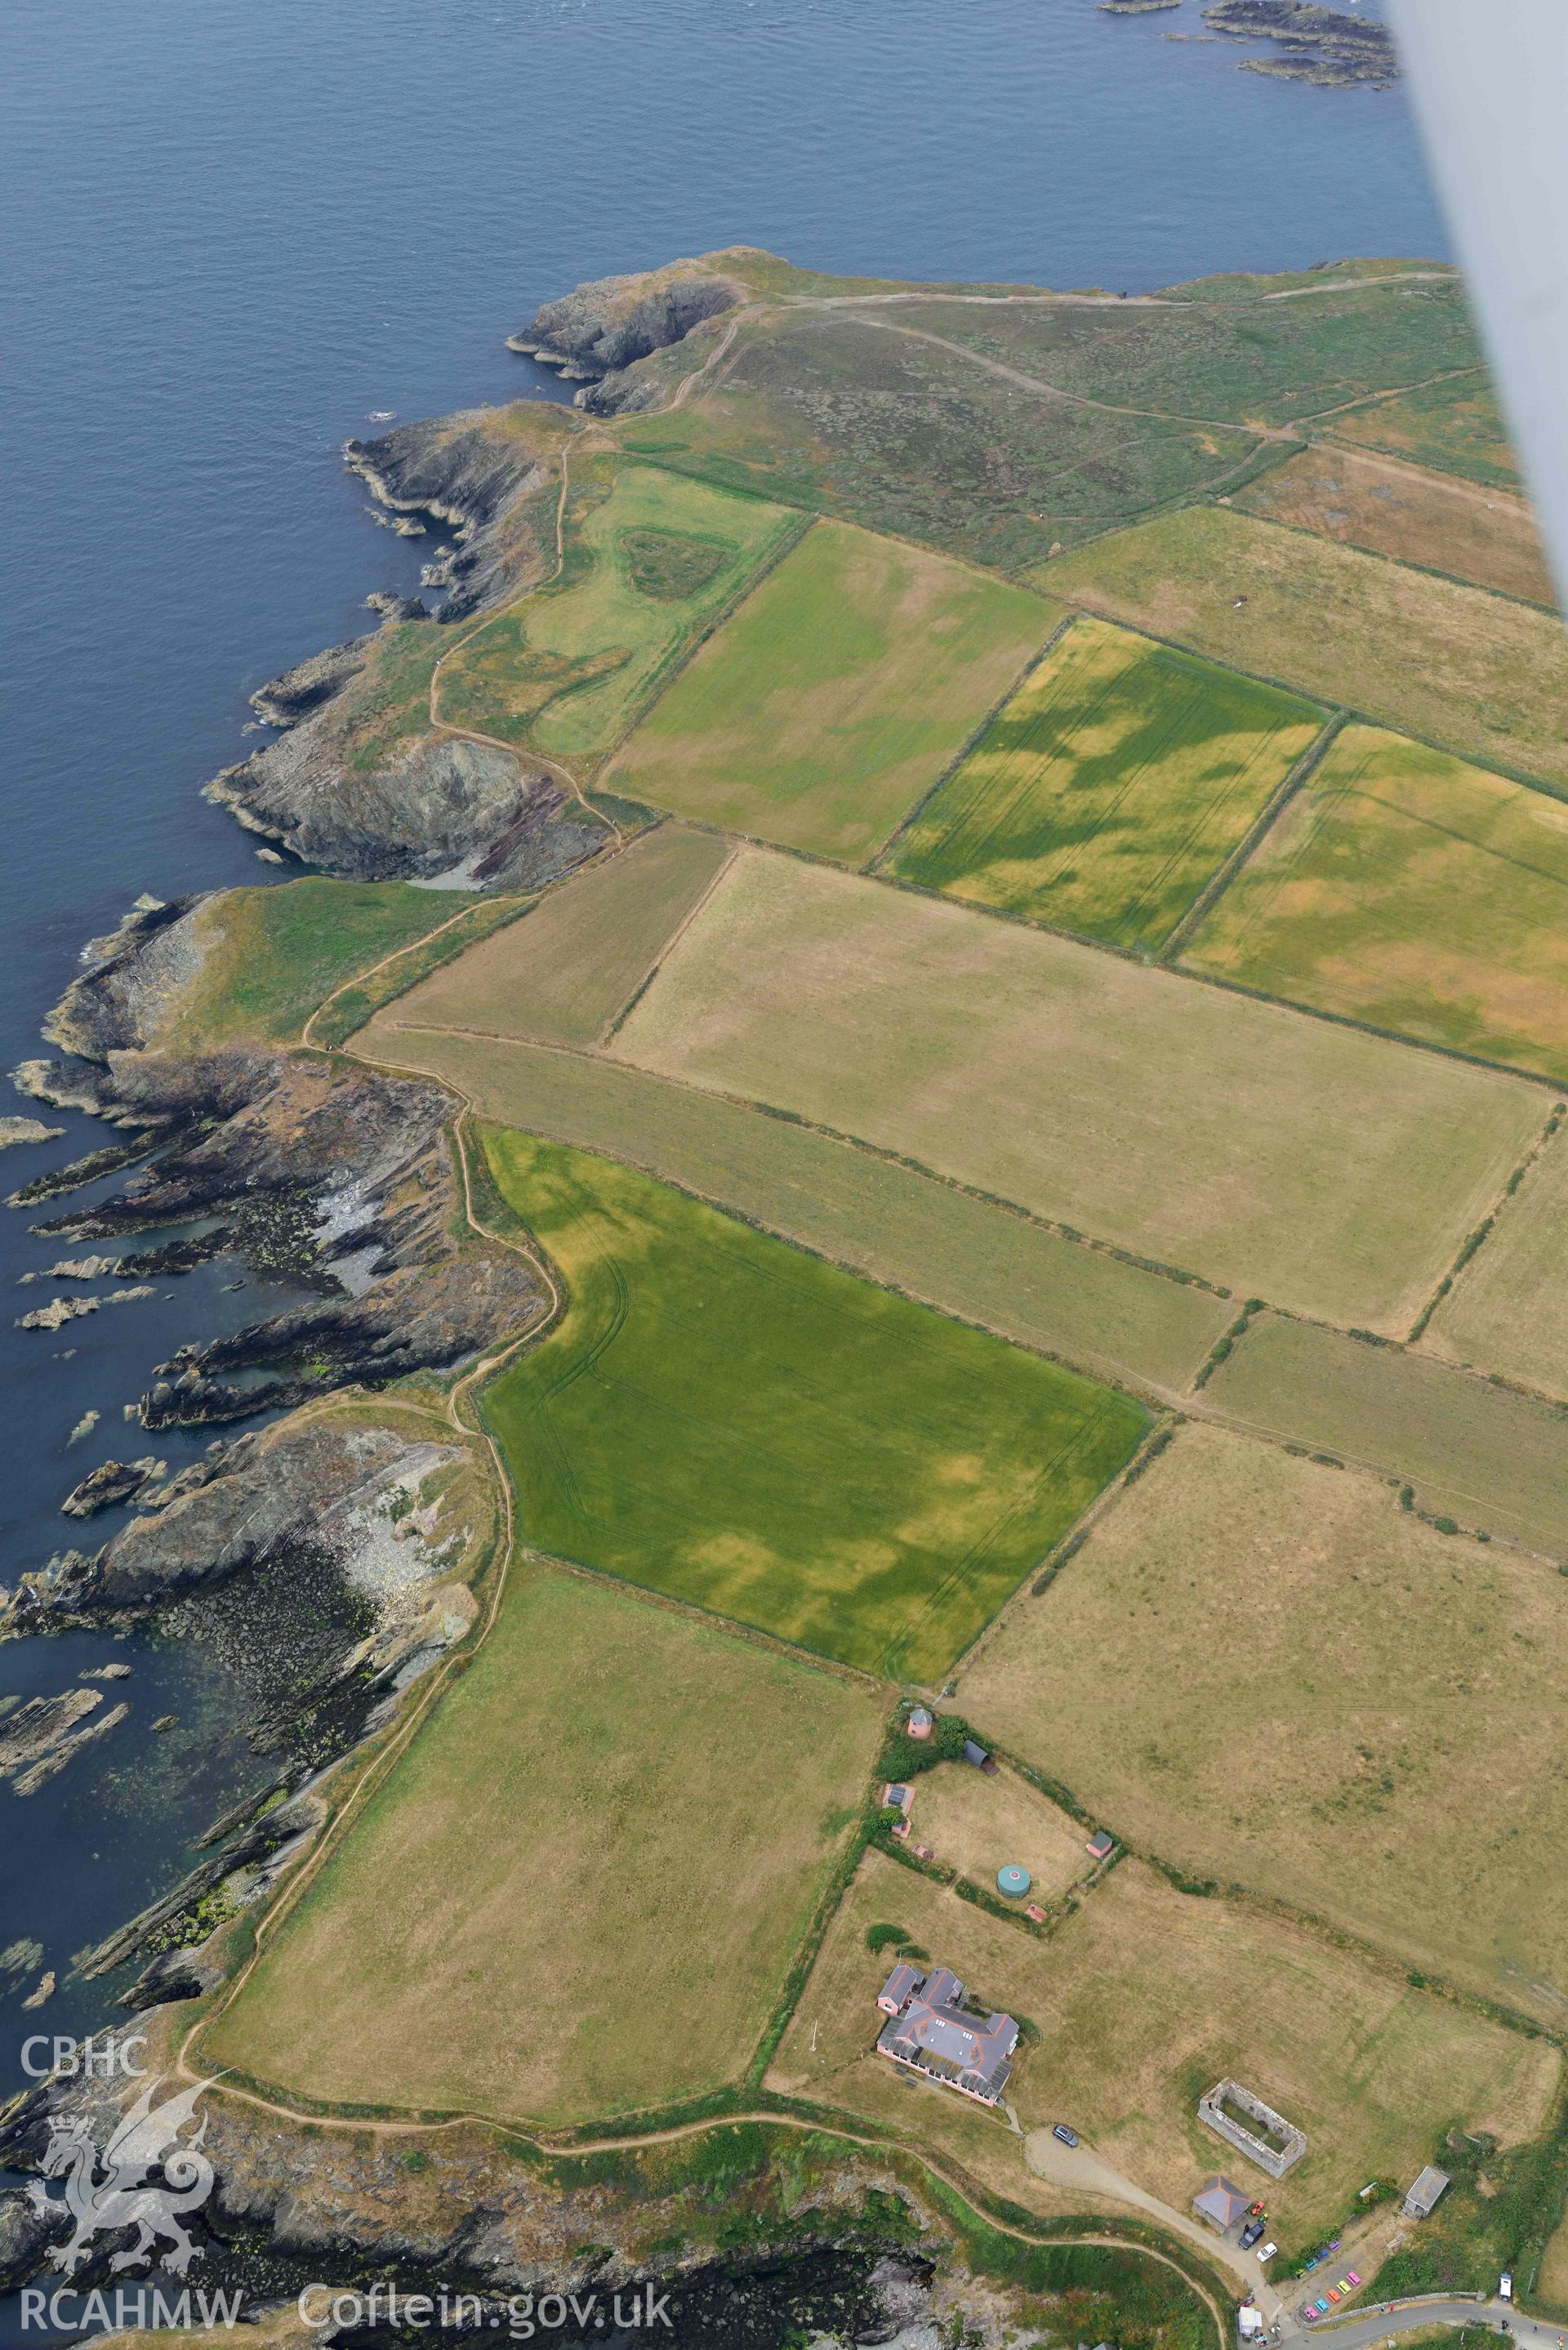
[[1068, 2137], [1267, 2251], [1250, 2233], [1505, 2285]]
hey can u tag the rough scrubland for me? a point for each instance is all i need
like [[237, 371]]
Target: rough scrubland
[[1391, 508]]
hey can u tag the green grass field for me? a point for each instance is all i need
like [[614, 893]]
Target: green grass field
[[1109, 790], [271, 955], [890, 1223], [652, 559], [1403, 888], [1473, 1453], [579, 1891], [1374, 1737], [582, 953], [836, 695], [1485, 677], [1508, 1310], [1279, 1156], [724, 1419]]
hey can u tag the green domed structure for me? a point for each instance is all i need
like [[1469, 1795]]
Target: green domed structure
[[1013, 1881]]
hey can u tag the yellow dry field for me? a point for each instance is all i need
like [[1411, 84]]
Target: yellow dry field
[[1405, 888], [1144, 1999], [1479, 535], [977, 1824], [1278, 1155], [1495, 1460], [567, 968], [1508, 1310], [1316, 1695], [579, 1891], [982, 1262], [1480, 675]]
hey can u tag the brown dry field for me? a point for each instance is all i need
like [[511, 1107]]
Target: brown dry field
[[580, 1890], [976, 1823], [564, 971], [985, 1263], [1508, 1310], [1389, 508], [1278, 1155], [1494, 1459], [1318, 1696], [1142, 2000]]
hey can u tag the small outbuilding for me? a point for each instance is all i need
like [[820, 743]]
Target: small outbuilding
[[1221, 2203], [1424, 2195], [919, 1722], [973, 1751], [1101, 1844], [897, 1796], [1014, 1880]]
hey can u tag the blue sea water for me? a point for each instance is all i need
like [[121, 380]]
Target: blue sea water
[[236, 232]]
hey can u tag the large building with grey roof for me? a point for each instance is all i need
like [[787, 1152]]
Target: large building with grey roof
[[930, 2030]]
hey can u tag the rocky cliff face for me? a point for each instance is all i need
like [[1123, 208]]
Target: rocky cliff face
[[136, 974], [296, 2205], [346, 1168], [441, 806], [609, 322]]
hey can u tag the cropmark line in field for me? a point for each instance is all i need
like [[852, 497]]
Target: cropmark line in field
[[874, 863], [1209, 895]]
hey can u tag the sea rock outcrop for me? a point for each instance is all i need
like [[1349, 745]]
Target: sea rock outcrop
[[14, 1130], [353, 1165], [1320, 44], [135, 973], [284, 701], [38, 1738], [111, 1483], [609, 323]]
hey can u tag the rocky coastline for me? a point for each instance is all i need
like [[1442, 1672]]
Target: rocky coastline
[[1320, 44], [330, 1558]]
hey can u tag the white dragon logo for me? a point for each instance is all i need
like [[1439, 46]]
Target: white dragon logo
[[144, 2139]]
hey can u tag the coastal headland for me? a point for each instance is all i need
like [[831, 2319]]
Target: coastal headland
[[874, 1060]]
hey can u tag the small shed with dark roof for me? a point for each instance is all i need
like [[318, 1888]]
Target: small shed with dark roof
[[1221, 2203]]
